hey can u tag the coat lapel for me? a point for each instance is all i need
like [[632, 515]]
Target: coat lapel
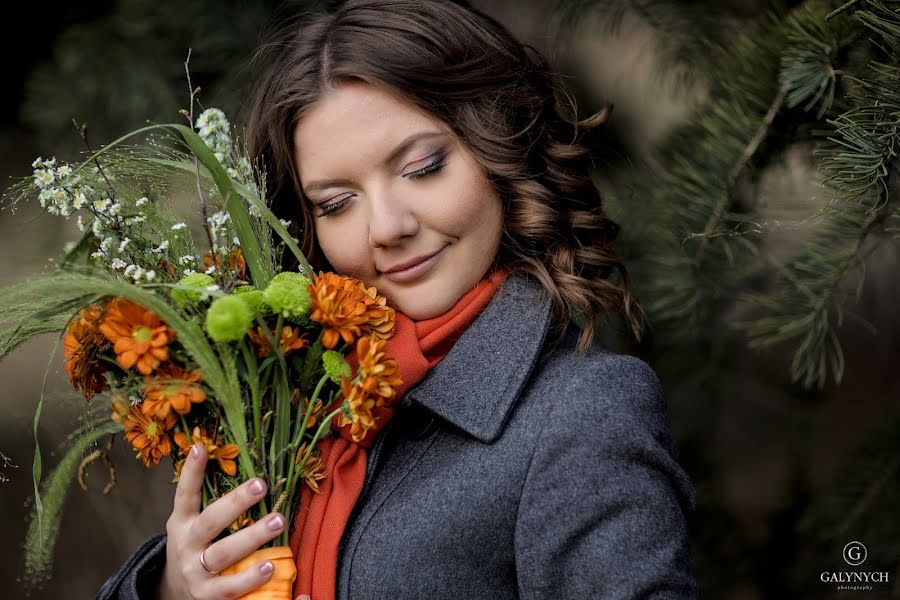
[[475, 386]]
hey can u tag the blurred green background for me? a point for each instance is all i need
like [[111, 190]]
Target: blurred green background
[[786, 473]]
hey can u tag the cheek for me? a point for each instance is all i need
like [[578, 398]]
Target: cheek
[[345, 248], [469, 209]]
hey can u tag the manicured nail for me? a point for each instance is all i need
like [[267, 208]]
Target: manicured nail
[[276, 523], [257, 487], [195, 451], [266, 568]]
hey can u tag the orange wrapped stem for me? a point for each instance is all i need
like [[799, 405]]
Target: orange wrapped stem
[[280, 586]]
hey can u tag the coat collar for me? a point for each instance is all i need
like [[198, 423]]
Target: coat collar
[[476, 384]]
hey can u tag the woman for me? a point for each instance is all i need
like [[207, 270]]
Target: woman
[[423, 150]]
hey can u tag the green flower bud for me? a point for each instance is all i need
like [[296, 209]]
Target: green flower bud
[[293, 277], [289, 298], [183, 297], [243, 289], [228, 319], [255, 300], [336, 365]]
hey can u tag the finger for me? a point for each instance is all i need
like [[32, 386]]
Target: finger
[[223, 512], [303, 597], [187, 493], [236, 546], [237, 585]]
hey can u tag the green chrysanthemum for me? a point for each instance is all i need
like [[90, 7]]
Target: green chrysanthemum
[[228, 319], [254, 299], [336, 365], [294, 277], [198, 280], [287, 297]]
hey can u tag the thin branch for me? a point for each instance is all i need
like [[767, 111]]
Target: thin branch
[[205, 213], [840, 9], [82, 129], [739, 166]]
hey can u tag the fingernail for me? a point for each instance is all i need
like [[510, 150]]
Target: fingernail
[[276, 523], [266, 568], [257, 487], [195, 451]]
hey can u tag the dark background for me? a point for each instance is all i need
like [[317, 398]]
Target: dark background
[[760, 450]]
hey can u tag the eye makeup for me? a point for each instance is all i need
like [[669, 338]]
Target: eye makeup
[[438, 163]]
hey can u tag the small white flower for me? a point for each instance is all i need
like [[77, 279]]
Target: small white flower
[[188, 272], [79, 201], [135, 220], [82, 226], [210, 270], [150, 275], [97, 227], [236, 241], [134, 271], [179, 226], [37, 162], [64, 171], [124, 244], [186, 259], [285, 222], [43, 178], [118, 264], [115, 209], [163, 246], [142, 201], [101, 205]]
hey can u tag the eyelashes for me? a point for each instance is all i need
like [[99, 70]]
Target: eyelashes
[[425, 171]]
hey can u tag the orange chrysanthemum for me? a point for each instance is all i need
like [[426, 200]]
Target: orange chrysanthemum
[[314, 469], [242, 521], [119, 405], [83, 343], [360, 405], [139, 337], [171, 388], [291, 339], [224, 455], [380, 375], [236, 262], [340, 306], [379, 316], [149, 435]]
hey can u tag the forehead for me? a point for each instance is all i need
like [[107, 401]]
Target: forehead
[[354, 127]]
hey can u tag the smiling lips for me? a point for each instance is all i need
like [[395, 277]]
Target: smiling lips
[[414, 269]]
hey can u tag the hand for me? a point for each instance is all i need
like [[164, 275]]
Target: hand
[[191, 532]]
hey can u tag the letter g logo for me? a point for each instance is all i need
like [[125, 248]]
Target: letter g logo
[[855, 553]]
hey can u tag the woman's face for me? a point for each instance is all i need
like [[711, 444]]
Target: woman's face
[[390, 187]]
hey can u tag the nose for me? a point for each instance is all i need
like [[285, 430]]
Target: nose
[[391, 219]]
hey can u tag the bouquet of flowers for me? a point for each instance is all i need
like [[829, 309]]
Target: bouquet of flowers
[[184, 347]]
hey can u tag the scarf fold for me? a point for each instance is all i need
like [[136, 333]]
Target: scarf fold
[[320, 519]]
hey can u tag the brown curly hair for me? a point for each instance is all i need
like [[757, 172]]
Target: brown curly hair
[[499, 97]]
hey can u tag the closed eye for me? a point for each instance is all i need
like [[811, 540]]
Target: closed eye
[[425, 171]]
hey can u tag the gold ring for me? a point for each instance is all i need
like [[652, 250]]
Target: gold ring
[[203, 563]]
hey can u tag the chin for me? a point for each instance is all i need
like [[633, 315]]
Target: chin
[[419, 304]]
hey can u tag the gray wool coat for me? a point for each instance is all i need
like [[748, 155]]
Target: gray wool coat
[[515, 469]]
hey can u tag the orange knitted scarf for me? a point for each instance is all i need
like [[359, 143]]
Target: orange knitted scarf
[[320, 519]]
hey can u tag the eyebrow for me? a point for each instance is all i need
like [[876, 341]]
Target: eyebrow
[[393, 156]]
